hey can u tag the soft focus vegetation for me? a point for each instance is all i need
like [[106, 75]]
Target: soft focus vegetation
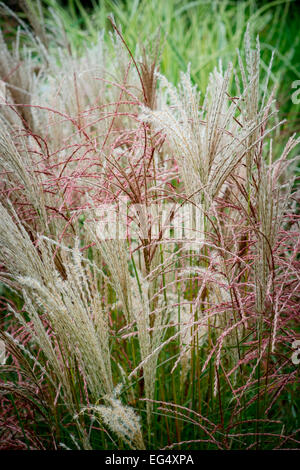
[[149, 341]]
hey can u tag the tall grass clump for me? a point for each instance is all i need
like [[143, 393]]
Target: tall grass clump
[[153, 333]]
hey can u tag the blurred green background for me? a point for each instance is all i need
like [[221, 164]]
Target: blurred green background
[[197, 32]]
